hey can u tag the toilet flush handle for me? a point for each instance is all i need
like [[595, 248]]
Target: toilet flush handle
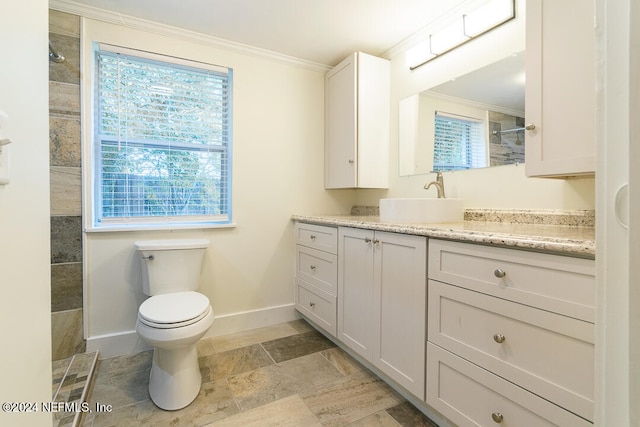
[[149, 258]]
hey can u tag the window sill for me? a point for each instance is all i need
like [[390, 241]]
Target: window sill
[[155, 227]]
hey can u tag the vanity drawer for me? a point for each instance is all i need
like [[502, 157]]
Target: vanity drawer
[[317, 236], [546, 353], [317, 268], [560, 284], [319, 307], [471, 396]]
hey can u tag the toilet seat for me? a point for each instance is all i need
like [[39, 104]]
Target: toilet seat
[[174, 310]]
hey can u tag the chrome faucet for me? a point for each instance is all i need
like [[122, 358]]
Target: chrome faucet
[[439, 183]]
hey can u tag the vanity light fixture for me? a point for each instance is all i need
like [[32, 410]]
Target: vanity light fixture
[[491, 14]]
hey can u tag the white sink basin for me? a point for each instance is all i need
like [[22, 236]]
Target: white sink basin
[[404, 210]]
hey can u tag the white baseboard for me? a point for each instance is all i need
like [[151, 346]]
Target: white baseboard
[[118, 344], [245, 320], [128, 342]]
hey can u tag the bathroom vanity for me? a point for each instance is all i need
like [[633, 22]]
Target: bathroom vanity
[[482, 322]]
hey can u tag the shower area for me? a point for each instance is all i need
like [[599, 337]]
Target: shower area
[[72, 367]]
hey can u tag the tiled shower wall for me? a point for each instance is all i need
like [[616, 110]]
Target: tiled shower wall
[[66, 194], [508, 148]]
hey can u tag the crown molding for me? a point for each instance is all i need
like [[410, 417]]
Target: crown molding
[[180, 33]]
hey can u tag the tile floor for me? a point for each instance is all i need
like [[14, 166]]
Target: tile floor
[[282, 375]]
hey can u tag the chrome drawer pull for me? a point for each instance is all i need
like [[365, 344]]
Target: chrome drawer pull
[[376, 241], [312, 237], [499, 273], [312, 267], [497, 417], [367, 240], [312, 304], [499, 338]]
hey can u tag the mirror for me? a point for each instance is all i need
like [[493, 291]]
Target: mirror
[[491, 99]]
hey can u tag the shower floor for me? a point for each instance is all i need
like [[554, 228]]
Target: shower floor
[[72, 379]]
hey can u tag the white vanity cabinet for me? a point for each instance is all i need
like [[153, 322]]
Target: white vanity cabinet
[[559, 91], [357, 100], [316, 274], [514, 327], [382, 302]]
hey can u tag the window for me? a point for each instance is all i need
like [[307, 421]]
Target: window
[[162, 140], [459, 143]]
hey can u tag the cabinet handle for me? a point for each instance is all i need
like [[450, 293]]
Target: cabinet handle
[[499, 273], [499, 338], [497, 417], [312, 237], [376, 241], [367, 240], [351, 161], [530, 126], [312, 304], [312, 267]]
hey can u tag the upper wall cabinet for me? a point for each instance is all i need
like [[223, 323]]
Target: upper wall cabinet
[[560, 88], [357, 123]]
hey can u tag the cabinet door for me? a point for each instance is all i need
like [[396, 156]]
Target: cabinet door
[[400, 295], [341, 124], [355, 289], [559, 94]]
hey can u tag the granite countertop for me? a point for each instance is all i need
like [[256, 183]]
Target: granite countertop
[[539, 231]]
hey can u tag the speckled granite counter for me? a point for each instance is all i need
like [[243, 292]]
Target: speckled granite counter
[[576, 241]]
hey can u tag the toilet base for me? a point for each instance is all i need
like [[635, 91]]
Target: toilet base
[[175, 377]]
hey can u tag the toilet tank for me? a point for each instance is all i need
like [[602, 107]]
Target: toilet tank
[[170, 265]]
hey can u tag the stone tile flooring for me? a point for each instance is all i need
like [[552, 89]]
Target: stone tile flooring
[[282, 375]]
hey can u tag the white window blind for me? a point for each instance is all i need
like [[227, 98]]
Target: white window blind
[[459, 143], [163, 139]]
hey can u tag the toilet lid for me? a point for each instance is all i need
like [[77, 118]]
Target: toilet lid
[[173, 308]]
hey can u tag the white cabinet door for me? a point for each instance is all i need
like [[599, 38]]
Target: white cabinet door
[[357, 105], [382, 302], [400, 295], [559, 94], [355, 290], [341, 125]]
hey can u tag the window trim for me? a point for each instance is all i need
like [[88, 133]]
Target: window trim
[[152, 222]]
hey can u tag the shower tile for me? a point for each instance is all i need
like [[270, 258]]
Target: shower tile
[[64, 100], [66, 239], [65, 191], [66, 334], [69, 70], [66, 286], [297, 345], [64, 141], [64, 23]]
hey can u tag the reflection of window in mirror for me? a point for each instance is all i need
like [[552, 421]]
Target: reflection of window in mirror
[[459, 142]]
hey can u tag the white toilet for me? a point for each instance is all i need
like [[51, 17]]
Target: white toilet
[[174, 318]]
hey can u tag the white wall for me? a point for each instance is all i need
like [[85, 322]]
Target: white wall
[[278, 121], [25, 305], [496, 187]]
